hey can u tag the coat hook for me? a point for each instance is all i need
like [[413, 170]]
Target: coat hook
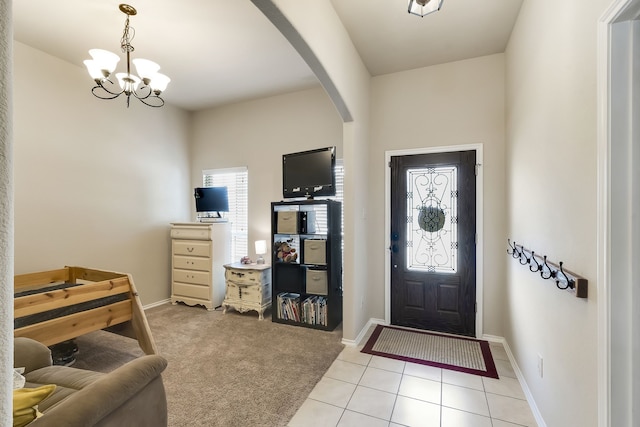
[[518, 252], [531, 267], [566, 279], [513, 248], [542, 268], [523, 256]]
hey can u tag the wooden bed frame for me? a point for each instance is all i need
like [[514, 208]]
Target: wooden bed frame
[[124, 317]]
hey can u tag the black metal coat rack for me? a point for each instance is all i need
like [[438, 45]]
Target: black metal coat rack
[[565, 279]]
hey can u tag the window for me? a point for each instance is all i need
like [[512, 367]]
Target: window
[[237, 182], [321, 220], [339, 171]]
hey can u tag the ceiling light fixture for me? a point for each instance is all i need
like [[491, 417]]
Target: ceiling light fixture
[[424, 7], [147, 88]]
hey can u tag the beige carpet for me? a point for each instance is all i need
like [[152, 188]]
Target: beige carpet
[[224, 369]]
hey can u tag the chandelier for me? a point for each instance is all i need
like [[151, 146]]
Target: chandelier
[[424, 7], [147, 88]]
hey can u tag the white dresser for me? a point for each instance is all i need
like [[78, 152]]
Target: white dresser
[[198, 254], [248, 288]]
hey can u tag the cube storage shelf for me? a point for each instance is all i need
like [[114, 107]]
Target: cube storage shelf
[[308, 291]]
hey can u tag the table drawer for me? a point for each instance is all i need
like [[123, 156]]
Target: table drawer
[[257, 294], [246, 277], [193, 291], [191, 276], [251, 294], [191, 248], [232, 292]]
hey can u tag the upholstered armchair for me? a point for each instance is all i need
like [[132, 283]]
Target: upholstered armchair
[[131, 395]]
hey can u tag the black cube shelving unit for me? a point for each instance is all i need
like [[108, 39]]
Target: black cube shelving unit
[[308, 291]]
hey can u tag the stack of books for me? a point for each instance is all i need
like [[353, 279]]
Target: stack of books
[[314, 310], [288, 306]]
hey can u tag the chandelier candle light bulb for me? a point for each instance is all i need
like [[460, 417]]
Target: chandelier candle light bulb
[[147, 88]]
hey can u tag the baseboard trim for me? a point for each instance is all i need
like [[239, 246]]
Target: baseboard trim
[[156, 304], [363, 332], [523, 383]]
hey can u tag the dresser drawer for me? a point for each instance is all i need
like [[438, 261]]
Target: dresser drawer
[[191, 276], [192, 291], [246, 277], [191, 263], [192, 248], [200, 233]]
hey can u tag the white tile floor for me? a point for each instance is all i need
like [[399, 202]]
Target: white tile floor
[[364, 390]]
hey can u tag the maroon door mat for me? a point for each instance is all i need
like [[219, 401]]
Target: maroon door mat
[[426, 348]]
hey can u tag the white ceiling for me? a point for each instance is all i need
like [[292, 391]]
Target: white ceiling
[[223, 51]]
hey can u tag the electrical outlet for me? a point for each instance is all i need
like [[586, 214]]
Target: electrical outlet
[[540, 366]]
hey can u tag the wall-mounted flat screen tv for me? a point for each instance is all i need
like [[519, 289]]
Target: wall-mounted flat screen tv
[[211, 200], [309, 173]]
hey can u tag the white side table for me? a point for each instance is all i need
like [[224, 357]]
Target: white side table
[[248, 288]]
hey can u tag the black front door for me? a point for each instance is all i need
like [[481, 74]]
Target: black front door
[[433, 234]]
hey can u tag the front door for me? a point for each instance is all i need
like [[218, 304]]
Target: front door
[[433, 235]]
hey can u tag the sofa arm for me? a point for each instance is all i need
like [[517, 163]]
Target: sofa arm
[[87, 407], [30, 354]]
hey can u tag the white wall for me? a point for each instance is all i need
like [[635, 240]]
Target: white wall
[[256, 134], [450, 104], [551, 193], [96, 184]]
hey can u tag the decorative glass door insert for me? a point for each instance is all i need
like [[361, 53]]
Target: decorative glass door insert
[[432, 217]]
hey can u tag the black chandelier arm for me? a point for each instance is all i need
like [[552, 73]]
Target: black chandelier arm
[[142, 89], [155, 97], [146, 98], [112, 95], [101, 85]]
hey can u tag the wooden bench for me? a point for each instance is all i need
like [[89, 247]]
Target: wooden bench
[[59, 305]]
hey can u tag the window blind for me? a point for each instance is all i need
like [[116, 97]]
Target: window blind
[[321, 215], [237, 182]]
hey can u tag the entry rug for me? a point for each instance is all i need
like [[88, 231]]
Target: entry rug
[[427, 348]]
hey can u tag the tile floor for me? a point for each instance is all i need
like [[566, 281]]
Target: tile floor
[[364, 390]]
